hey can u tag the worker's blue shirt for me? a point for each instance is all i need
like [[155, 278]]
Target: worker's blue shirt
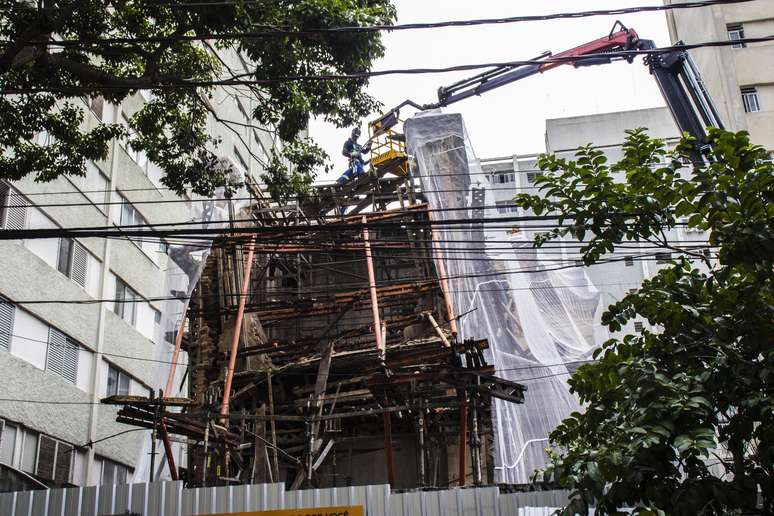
[[351, 146]]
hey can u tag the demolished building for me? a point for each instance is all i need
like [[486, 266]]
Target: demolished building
[[324, 344]]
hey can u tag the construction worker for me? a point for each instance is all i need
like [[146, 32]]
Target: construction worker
[[354, 151]]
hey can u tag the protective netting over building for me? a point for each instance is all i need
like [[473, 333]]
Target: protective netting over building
[[537, 312]]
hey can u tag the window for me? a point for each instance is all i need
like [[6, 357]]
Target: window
[[750, 100], [629, 261], [663, 257], [13, 209], [638, 326], [29, 451], [242, 110], [736, 33], [94, 185], [62, 355], [125, 305], [7, 442], [117, 382], [7, 311], [130, 216], [506, 207], [241, 160], [73, 260], [138, 156], [114, 473], [97, 105], [54, 459], [156, 316], [502, 178], [531, 176]]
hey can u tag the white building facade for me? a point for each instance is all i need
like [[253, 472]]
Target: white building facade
[[57, 360], [740, 78]]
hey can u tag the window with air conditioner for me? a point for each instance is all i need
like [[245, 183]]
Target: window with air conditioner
[[750, 99], [736, 33], [62, 355]]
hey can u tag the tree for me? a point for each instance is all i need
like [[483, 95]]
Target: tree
[[54, 51], [678, 420]]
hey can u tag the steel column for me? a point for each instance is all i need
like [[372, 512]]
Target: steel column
[[237, 328], [380, 345], [175, 356]]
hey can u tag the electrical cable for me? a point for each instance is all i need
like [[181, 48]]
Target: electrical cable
[[595, 57], [273, 31]]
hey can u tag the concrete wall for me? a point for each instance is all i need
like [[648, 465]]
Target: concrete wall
[[725, 70], [606, 129], [130, 348]]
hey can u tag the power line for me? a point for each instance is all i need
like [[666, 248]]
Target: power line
[[274, 31], [549, 267], [181, 83]]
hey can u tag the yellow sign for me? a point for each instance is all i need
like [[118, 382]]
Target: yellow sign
[[355, 510]]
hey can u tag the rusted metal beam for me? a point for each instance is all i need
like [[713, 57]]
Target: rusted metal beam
[[175, 357], [372, 286], [443, 280], [437, 329], [237, 328], [168, 449]]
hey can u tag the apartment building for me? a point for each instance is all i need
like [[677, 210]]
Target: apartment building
[[111, 335], [740, 77], [509, 175]]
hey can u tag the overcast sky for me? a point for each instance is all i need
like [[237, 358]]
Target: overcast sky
[[511, 119]]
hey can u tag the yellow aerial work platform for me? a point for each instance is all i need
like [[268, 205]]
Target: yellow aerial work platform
[[388, 151]]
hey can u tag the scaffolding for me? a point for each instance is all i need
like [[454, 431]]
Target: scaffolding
[[324, 350]]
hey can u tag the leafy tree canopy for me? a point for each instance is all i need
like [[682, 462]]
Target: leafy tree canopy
[[678, 420], [113, 48]]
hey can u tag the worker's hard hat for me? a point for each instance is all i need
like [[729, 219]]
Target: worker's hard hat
[[356, 132]]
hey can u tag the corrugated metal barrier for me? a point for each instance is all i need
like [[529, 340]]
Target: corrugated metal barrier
[[171, 499]]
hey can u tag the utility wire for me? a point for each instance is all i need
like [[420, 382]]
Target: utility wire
[[274, 31], [181, 83]]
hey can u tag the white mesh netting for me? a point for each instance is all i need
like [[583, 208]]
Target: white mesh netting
[[537, 314]]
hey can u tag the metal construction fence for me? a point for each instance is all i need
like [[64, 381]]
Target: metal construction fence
[[171, 499]]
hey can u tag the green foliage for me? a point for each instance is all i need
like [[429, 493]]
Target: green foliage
[[39, 82], [284, 183], [679, 420]]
